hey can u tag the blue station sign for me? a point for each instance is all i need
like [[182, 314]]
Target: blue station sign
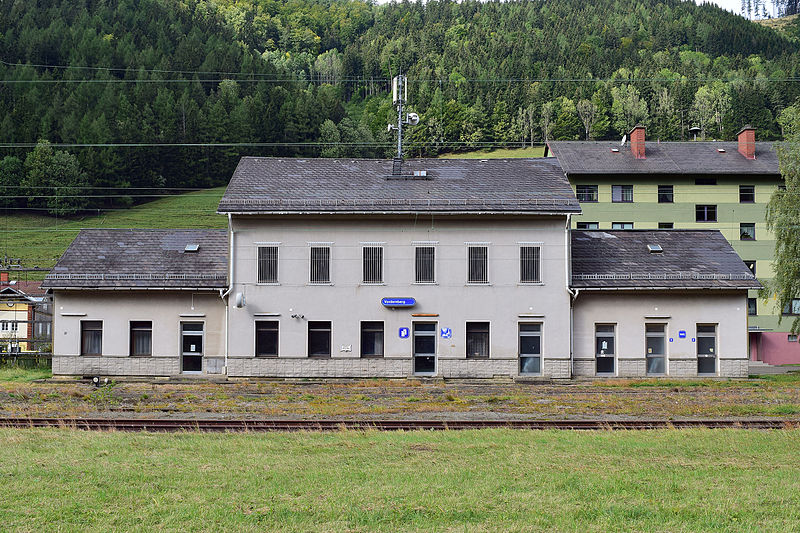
[[398, 302]]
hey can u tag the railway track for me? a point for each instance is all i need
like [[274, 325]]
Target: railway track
[[173, 425]]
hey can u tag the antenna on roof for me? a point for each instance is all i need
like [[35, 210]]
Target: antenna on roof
[[400, 98]]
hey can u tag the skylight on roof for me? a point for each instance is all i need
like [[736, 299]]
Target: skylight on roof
[[654, 248], [191, 247]]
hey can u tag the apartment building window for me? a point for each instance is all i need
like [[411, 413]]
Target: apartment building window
[[478, 264], [622, 225], [477, 340], [752, 306], [587, 225], [14, 325], [530, 263], [319, 338], [705, 213], [268, 264], [747, 194], [266, 338], [372, 264], [793, 307], [586, 193], [656, 346], [530, 348], [320, 264], [665, 194], [604, 348], [751, 265], [372, 339], [424, 264], [747, 231], [791, 338], [91, 337], [706, 349], [622, 193], [705, 181], [141, 336], [666, 225], [4, 325]]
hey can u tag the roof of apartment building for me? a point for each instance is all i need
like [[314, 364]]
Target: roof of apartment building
[[22, 288], [143, 258], [713, 157], [273, 185], [653, 259]]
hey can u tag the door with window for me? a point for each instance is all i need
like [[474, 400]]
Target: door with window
[[706, 349], [424, 347], [530, 348], [604, 351], [191, 347], [656, 348]]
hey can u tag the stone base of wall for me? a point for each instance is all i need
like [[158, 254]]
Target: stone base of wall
[[115, 366], [682, 368], [319, 368], [734, 368], [631, 368], [477, 368], [557, 368], [583, 367]]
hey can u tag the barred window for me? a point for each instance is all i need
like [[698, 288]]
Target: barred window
[[424, 271], [478, 264], [268, 264], [320, 264], [372, 264], [530, 264]]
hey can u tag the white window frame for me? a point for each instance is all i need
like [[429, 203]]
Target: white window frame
[[520, 323], [540, 246], [277, 246], [426, 244], [380, 245], [328, 245], [486, 245]]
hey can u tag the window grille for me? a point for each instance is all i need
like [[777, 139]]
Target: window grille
[[424, 271], [530, 264], [478, 264], [320, 264], [373, 264], [268, 264]]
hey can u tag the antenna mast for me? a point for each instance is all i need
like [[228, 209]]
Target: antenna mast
[[399, 99]]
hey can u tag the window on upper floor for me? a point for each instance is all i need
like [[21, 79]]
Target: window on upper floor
[[424, 264], [666, 225], [586, 193], [372, 264], [320, 264], [747, 231], [268, 264], [665, 195], [587, 225], [705, 181], [622, 225], [705, 213], [793, 307], [751, 265], [622, 193], [477, 264], [530, 264], [752, 306], [747, 194]]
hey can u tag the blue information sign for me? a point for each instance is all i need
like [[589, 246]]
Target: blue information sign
[[671, 339], [403, 333], [446, 333], [681, 334], [398, 302]]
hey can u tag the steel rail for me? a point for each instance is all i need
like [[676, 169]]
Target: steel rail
[[216, 425]]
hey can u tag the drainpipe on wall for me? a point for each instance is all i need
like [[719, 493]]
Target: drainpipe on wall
[[568, 272], [230, 288]]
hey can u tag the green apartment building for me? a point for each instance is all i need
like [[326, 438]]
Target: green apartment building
[[687, 185]]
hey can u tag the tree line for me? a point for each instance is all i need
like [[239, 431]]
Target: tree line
[[311, 78]]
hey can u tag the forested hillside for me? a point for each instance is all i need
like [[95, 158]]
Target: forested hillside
[[287, 76]]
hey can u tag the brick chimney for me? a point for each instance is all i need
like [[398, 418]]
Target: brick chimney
[[747, 142], [637, 141], [3, 278]]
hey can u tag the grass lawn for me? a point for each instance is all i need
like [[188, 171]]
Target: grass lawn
[[500, 153], [487, 480], [40, 240], [18, 374]]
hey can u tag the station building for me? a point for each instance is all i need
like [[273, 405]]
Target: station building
[[373, 268]]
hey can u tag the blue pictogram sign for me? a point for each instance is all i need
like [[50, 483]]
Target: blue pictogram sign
[[446, 333], [681, 334], [403, 333]]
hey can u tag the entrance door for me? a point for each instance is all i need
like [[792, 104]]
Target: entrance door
[[424, 347], [191, 347]]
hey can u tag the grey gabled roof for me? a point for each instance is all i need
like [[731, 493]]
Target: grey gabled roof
[[597, 157], [142, 258], [271, 185], [690, 259]]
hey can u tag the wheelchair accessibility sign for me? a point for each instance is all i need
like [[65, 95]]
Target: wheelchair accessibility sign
[[446, 333]]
